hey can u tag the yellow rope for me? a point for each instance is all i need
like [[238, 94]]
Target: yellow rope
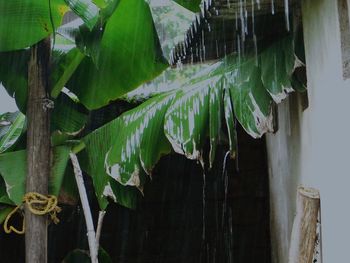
[[37, 204], [10, 229]]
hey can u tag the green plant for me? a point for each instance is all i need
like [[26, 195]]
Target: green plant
[[101, 56]]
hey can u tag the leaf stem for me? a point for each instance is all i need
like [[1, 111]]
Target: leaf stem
[[86, 208]]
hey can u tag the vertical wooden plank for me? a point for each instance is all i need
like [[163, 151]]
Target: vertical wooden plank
[[38, 148]]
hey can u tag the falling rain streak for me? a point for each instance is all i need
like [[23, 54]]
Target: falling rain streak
[[203, 42]]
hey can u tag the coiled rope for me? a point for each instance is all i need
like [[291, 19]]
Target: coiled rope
[[37, 204]]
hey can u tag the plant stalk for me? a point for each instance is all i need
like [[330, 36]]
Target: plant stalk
[[101, 216], [86, 208]]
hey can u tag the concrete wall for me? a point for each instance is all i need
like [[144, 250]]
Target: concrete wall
[[7, 104], [312, 147]]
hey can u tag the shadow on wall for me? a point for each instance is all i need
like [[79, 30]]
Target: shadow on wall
[[284, 159]]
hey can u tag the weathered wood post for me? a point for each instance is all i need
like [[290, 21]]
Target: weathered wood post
[[38, 148], [303, 236]]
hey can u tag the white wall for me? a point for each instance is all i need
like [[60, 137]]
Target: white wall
[[312, 147], [7, 104]]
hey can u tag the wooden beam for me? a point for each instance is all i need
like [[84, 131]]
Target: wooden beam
[[38, 148]]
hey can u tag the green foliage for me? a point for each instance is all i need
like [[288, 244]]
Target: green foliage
[[6, 205], [25, 22], [95, 72], [137, 129], [66, 64], [4, 199], [93, 162], [13, 75], [110, 51], [129, 35], [103, 65], [68, 116], [13, 166], [277, 77], [4, 211], [12, 126], [86, 9], [185, 117], [172, 22]]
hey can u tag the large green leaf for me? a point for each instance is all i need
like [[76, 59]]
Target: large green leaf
[[86, 9], [251, 101], [113, 66], [68, 116], [14, 75], [136, 129], [93, 163], [4, 198], [12, 126], [13, 170], [215, 117], [230, 124], [229, 89], [65, 66], [25, 22], [186, 120], [276, 69], [129, 54], [172, 22]]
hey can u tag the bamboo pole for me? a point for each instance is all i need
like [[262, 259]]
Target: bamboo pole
[[303, 236], [38, 148], [86, 208]]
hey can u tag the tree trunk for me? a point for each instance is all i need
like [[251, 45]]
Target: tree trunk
[[38, 148]]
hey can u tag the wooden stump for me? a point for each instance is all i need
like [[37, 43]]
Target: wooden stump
[[303, 236]]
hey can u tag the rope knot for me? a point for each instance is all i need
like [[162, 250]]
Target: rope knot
[[37, 204], [40, 205]]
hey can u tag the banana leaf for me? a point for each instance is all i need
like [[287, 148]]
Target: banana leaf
[[13, 171], [92, 161], [12, 125], [172, 22], [26, 22], [129, 54], [68, 115], [14, 75], [85, 9], [65, 66], [4, 198], [111, 66], [184, 118]]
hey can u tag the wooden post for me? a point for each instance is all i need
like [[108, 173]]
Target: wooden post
[[38, 148], [303, 236]]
